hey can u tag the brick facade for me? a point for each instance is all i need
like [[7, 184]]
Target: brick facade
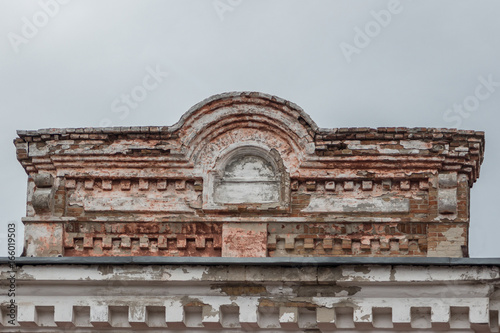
[[248, 175]]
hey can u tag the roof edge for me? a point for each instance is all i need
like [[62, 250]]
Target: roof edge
[[230, 95]]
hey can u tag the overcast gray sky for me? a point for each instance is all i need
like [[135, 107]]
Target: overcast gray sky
[[347, 63]]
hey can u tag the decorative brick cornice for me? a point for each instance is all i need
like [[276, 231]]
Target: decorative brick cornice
[[162, 146]]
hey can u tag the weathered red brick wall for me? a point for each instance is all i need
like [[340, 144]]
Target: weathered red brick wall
[[247, 174]]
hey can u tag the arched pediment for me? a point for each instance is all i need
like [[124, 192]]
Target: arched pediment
[[209, 127]]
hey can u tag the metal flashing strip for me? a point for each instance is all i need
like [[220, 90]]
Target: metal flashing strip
[[268, 261]]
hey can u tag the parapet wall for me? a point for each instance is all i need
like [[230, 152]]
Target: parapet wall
[[248, 175]]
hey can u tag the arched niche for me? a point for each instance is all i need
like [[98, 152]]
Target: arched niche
[[250, 176]]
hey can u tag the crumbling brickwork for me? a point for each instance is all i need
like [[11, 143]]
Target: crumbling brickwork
[[248, 175]]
